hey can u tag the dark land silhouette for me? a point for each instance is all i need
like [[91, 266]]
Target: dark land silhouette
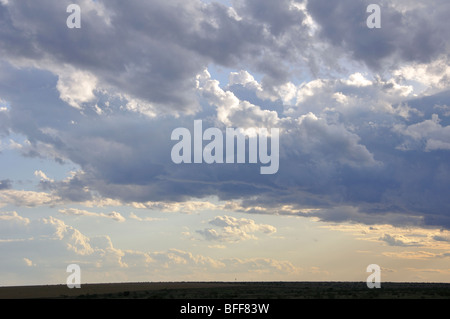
[[232, 290]]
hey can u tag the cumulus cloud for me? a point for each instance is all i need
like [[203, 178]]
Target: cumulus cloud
[[430, 241], [26, 198], [363, 117], [116, 216], [429, 135], [187, 207], [79, 212], [179, 258], [43, 177], [231, 229], [433, 76], [76, 87], [44, 230], [49, 243], [110, 109], [182, 38]]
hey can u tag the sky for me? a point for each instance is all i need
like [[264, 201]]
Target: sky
[[86, 122]]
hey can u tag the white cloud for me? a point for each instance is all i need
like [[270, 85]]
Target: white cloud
[[116, 216], [28, 262], [309, 89], [231, 229], [433, 77], [76, 212], [80, 212], [358, 80], [245, 79], [26, 198], [285, 92], [433, 242], [43, 177], [340, 98], [48, 242], [176, 259], [187, 207], [76, 87], [314, 133], [231, 111], [430, 132]]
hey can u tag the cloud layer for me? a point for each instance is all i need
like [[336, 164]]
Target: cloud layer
[[97, 256], [363, 136]]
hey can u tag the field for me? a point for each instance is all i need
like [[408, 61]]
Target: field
[[232, 290]]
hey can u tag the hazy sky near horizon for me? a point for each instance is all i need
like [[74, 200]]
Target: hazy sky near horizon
[[86, 117]]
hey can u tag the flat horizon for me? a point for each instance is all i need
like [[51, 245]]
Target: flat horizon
[[191, 291], [224, 140], [227, 282]]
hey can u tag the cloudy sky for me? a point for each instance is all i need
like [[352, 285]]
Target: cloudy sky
[[86, 116]]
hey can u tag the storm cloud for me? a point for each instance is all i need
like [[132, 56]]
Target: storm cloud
[[358, 146]]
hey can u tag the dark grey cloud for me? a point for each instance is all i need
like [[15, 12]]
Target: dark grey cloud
[[147, 50], [322, 165], [143, 64], [408, 33], [278, 16], [344, 159], [401, 242], [441, 238], [4, 124]]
